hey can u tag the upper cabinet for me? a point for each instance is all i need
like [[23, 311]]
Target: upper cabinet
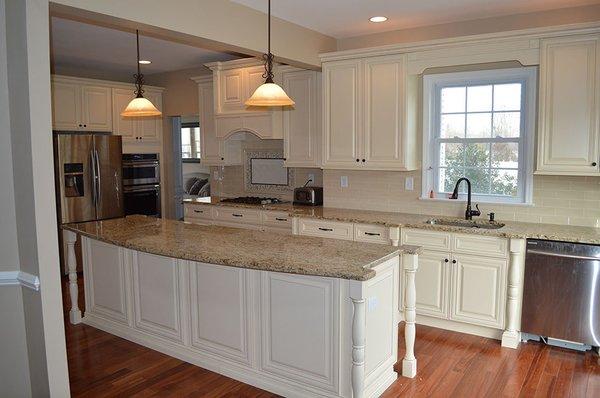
[[233, 83], [369, 114], [301, 123], [569, 130], [77, 106]]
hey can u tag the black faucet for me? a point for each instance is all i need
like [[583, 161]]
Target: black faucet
[[468, 213]]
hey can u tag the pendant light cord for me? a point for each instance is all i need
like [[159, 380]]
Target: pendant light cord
[[268, 57], [139, 78]]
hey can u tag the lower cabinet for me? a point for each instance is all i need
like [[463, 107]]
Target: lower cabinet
[[431, 283]]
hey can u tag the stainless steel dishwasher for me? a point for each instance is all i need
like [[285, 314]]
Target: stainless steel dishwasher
[[561, 293]]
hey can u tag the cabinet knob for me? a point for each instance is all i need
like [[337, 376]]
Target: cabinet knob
[[222, 158], [446, 260], [363, 160], [80, 125], [358, 160], [284, 159], [85, 125], [594, 164], [453, 261]]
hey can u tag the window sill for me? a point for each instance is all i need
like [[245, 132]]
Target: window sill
[[490, 202]]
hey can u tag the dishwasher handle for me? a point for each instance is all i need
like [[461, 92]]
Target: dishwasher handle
[[562, 255]]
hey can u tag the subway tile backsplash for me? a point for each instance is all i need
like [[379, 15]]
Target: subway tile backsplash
[[557, 199]]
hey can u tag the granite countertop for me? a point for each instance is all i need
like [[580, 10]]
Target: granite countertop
[[512, 229], [243, 248]]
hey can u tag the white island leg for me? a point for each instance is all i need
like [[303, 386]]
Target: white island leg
[[74, 313], [511, 336], [358, 339], [409, 363]]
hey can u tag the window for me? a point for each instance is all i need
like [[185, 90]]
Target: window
[[190, 141], [479, 125]]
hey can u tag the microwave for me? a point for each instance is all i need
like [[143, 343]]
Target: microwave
[[311, 196]]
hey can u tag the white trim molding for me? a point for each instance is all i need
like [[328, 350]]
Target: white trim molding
[[20, 278]]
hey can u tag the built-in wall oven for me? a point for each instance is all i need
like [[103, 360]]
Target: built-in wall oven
[[141, 184]]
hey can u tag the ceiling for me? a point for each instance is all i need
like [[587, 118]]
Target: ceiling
[[346, 18], [80, 46]]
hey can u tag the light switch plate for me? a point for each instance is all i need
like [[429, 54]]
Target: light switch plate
[[344, 181], [409, 183]]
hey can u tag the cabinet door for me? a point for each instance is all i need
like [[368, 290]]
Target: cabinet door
[[431, 282], [384, 112], [157, 289], [300, 124], [568, 108], [231, 91], [122, 126], [478, 290], [254, 79], [150, 128], [96, 108], [66, 106], [342, 114], [211, 147]]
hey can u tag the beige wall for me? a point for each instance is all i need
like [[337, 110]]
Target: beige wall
[[181, 94], [220, 25], [474, 27]]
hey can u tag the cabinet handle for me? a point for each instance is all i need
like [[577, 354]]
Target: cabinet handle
[[363, 160], [453, 261], [594, 164], [446, 260], [237, 215], [372, 234], [281, 219], [198, 211], [326, 229]]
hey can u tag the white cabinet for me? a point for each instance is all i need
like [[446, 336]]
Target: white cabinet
[[569, 130], [211, 148], [157, 295], [301, 123], [136, 130], [369, 114], [326, 229], [77, 105], [237, 217], [461, 277]]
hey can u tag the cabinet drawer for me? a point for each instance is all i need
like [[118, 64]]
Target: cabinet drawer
[[480, 245], [234, 215], [197, 211], [430, 240], [278, 219], [326, 229], [371, 233]]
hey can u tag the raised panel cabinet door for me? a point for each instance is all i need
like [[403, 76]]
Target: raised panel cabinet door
[[568, 107], [220, 307], [231, 90], [253, 79], [105, 280], [122, 126], [96, 108], [431, 282], [478, 290], [150, 128], [384, 112], [299, 320], [342, 117], [157, 290], [211, 148], [300, 127], [66, 106]]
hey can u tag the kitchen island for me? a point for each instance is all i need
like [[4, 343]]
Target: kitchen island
[[298, 316]]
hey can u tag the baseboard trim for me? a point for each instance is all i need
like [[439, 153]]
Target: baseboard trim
[[20, 278]]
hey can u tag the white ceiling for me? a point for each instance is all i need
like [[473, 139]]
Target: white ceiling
[[346, 18], [76, 45]]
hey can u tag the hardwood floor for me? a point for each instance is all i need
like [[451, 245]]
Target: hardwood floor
[[450, 365]]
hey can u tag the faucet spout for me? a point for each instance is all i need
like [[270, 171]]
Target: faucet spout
[[469, 213]]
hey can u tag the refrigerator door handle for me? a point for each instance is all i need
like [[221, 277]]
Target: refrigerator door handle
[[98, 187], [94, 178]]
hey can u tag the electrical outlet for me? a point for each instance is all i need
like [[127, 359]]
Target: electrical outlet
[[311, 177], [344, 181], [409, 184]]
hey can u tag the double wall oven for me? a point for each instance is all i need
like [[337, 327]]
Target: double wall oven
[[141, 184]]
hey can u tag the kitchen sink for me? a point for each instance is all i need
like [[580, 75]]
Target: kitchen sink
[[465, 223]]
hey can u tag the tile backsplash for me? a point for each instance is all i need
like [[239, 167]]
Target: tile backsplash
[[557, 199]]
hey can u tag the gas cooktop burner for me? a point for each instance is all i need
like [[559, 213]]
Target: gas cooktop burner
[[252, 200]]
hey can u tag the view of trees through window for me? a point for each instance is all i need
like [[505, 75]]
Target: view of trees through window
[[190, 141], [479, 138]]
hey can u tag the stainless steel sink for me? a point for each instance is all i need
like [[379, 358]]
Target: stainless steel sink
[[465, 223]]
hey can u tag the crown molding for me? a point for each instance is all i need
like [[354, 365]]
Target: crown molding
[[20, 278]]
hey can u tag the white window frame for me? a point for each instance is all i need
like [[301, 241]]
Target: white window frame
[[432, 85]]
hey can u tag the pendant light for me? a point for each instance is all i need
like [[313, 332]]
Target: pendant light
[[269, 93], [139, 106]]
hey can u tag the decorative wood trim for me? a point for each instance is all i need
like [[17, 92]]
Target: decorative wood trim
[[512, 336], [102, 83], [75, 313], [20, 278], [410, 265], [357, 295]]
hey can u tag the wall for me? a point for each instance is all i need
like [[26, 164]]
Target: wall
[[473, 27], [181, 94]]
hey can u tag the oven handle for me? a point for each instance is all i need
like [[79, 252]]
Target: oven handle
[[564, 255], [138, 165], [145, 188]]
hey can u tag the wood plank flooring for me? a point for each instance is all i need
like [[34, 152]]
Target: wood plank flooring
[[450, 365]]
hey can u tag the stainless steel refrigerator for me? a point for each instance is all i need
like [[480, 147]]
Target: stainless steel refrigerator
[[88, 176]]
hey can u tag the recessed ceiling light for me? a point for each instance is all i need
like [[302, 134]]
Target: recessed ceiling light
[[144, 61], [378, 19]]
